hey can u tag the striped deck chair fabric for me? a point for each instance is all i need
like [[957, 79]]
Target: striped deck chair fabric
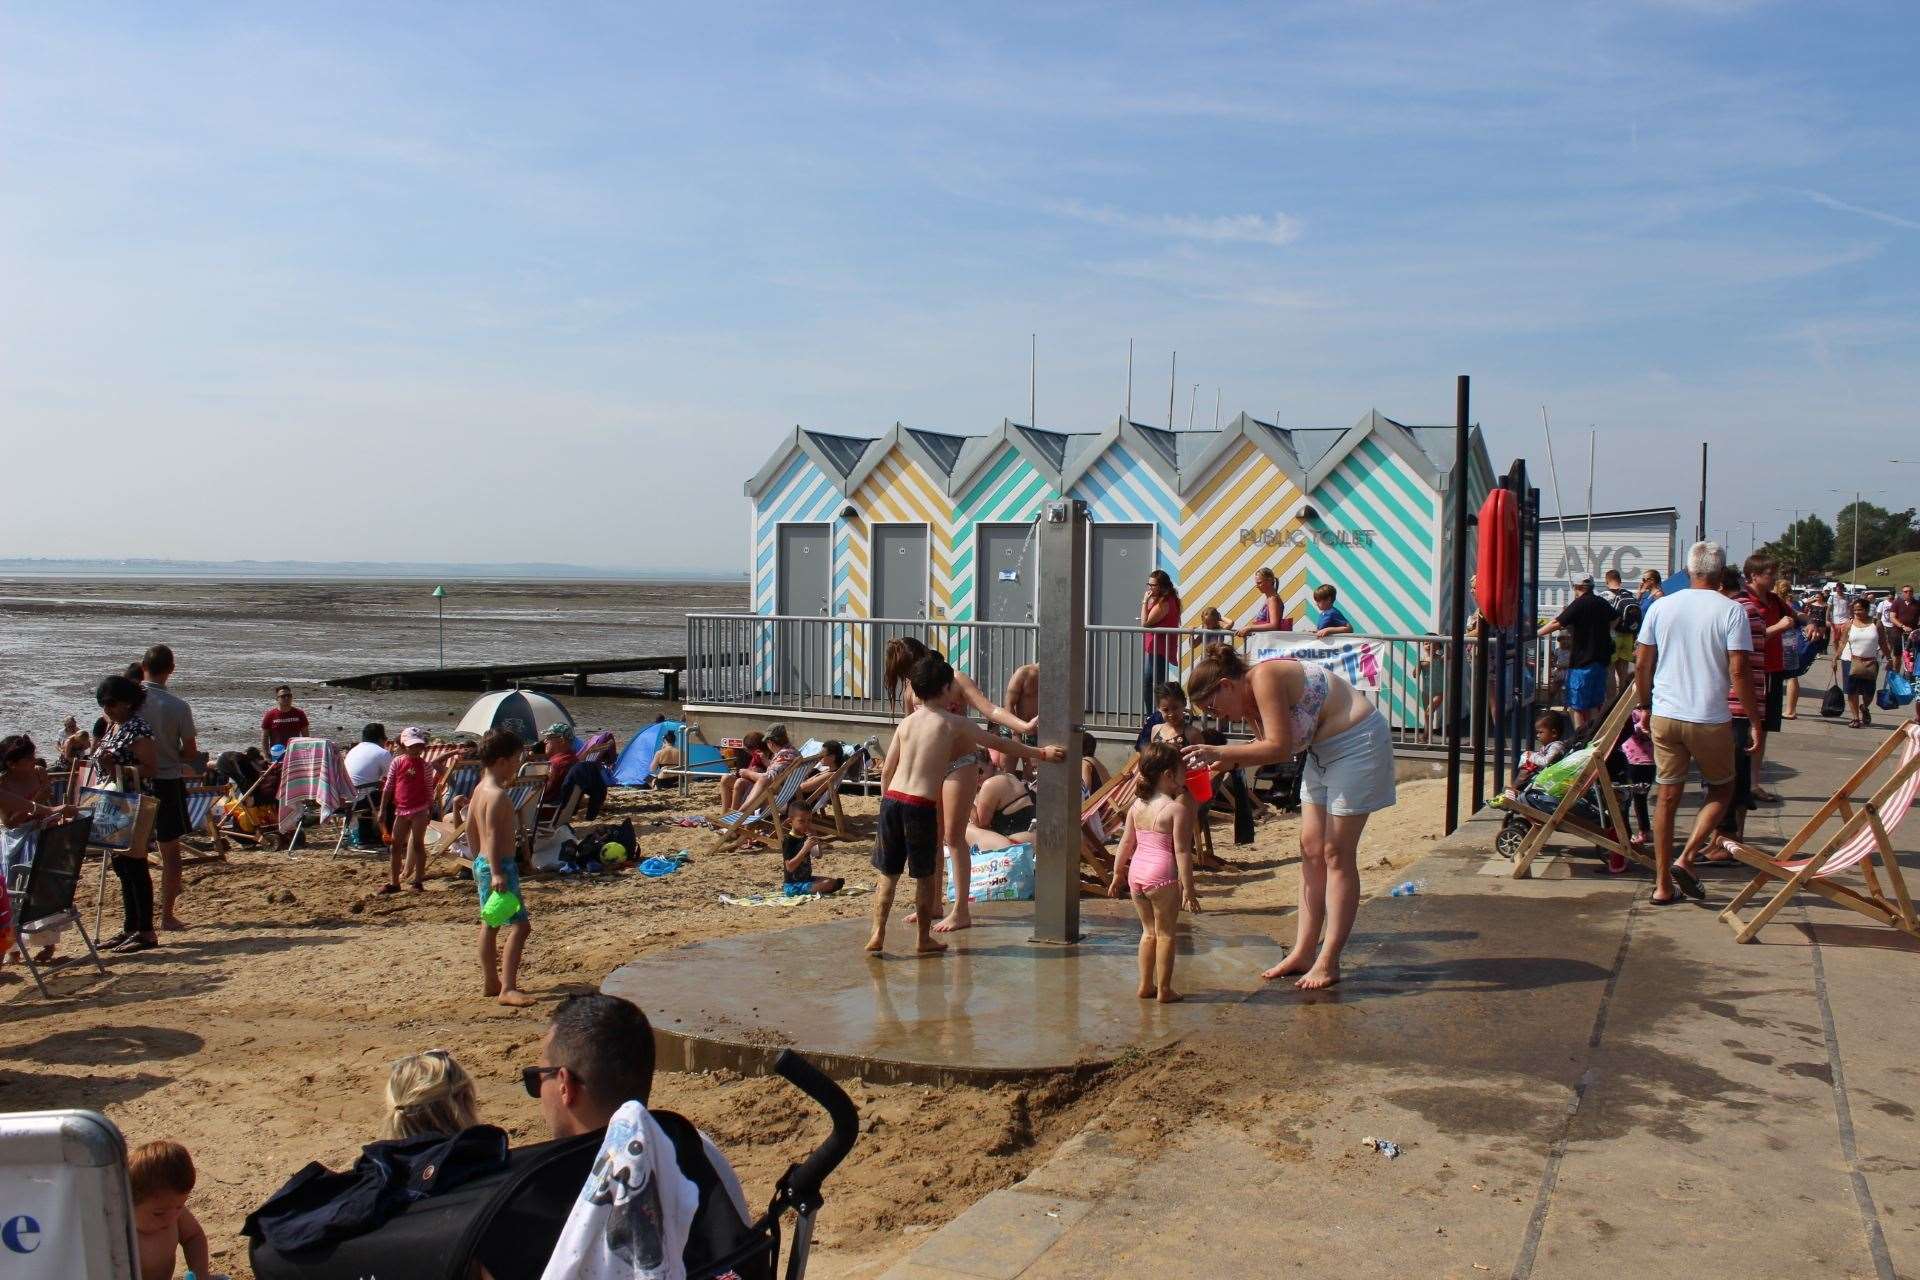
[[773, 793], [458, 784], [1866, 829]]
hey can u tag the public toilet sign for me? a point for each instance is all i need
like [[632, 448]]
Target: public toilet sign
[[1301, 537]]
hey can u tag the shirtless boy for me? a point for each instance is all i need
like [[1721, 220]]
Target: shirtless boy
[[494, 868], [923, 747]]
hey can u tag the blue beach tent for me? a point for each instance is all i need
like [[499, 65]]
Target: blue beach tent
[[635, 766]]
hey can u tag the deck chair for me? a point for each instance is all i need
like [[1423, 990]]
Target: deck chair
[[457, 783], [768, 797], [1564, 820], [1866, 826], [44, 890], [366, 799], [825, 806], [314, 785], [202, 801], [1102, 813]]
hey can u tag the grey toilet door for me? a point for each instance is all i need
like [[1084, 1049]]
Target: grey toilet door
[[1006, 574], [1119, 558], [899, 587], [805, 590]]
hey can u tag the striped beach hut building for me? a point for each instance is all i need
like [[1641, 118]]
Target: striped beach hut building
[[919, 524]]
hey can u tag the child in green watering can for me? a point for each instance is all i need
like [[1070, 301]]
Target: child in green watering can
[[495, 874]]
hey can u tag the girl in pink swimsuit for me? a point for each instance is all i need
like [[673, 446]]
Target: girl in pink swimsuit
[[1155, 864]]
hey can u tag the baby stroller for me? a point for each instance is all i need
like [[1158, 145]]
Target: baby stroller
[[1597, 767], [526, 1205]]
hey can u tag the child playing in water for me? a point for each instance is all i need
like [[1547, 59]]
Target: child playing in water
[[1155, 864], [924, 747], [796, 854], [494, 866], [161, 1176]]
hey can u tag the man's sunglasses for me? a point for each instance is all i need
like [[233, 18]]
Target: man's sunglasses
[[531, 1078]]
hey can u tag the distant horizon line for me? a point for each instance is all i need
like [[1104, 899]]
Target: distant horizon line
[[157, 565]]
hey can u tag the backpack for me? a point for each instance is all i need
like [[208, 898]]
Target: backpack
[[1626, 620]]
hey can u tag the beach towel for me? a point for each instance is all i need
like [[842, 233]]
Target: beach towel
[[783, 899], [313, 772], [635, 1211]]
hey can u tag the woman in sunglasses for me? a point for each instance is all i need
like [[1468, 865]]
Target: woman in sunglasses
[[1295, 707]]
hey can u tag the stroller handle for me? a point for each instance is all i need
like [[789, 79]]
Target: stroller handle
[[805, 1178]]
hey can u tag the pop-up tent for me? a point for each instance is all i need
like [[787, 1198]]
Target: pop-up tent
[[635, 766]]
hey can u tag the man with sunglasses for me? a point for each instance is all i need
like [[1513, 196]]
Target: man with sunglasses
[[596, 1055]]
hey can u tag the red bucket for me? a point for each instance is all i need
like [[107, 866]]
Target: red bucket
[[1200, 784]]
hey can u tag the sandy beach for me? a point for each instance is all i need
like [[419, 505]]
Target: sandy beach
[[261, 1036]]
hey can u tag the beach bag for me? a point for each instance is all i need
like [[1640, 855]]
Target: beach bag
[[1000, 875], [1833, 702], [1554, 780]]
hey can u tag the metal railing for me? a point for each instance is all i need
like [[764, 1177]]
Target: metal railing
[[836, 666]]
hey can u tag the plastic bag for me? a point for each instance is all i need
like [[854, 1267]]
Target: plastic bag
[[1000, 875], [1558, 776], [1900, 687]]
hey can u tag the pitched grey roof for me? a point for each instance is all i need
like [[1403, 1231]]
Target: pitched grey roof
[[842, 452], [942, 448]]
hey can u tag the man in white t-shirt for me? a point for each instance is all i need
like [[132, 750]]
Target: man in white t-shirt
[[1693, 652], [367, 759]]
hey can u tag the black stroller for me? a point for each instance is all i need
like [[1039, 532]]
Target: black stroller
[[523, 1208]]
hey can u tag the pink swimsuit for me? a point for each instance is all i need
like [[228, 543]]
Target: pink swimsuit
[[1152, 866]]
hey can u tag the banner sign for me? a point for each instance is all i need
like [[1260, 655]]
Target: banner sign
[[1360, 661]]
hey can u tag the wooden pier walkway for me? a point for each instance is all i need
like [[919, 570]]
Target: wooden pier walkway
[[508, 675]]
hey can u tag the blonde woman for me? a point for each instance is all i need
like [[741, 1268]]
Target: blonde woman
[[428, 1093]]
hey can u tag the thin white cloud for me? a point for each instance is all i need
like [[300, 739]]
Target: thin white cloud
[[1232, 228], [1892, 219]]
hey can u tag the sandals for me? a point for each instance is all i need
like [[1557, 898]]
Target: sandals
[[1688, 884], [135, 943], [1666, 902]]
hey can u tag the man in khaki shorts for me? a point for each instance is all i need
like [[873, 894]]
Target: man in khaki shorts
[[1693, 653]]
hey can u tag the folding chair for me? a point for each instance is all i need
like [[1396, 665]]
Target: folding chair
[[366, 798], [49, 883], [456, 784], [202, 799], [1563, 819], [1865, 830], [1097, 814], [761, 802], [856, 765]]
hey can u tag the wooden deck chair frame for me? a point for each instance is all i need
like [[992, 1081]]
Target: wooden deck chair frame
[[751, 814], [828, 799], [1857, 815], [1563, 820], [1102, 798], [207, 826]]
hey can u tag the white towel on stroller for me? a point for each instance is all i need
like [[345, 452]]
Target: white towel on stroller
[[634, 1214]]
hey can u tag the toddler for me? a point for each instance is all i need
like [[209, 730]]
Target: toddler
[[161, 1177], [1155, 864], [796, 854], [1550, 731]]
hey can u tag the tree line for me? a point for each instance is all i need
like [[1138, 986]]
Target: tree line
[[1815, 546]]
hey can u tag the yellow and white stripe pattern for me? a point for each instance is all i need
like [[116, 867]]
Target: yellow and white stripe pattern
[[897, 491], [1244, 491]]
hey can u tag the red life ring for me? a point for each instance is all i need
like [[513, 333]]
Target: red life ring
[[1497, 585]]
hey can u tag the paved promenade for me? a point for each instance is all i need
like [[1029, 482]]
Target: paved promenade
[[1582, 1085]]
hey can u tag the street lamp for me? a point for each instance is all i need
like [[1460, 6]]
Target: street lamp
[[1855, 575], [440, 599]]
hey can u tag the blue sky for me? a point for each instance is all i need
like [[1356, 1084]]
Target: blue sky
[[491, 282]]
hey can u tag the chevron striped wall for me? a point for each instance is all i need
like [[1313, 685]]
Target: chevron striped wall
[[1118, 489], [1244, 491], [1010, 490], [897, 491], [803, 493]]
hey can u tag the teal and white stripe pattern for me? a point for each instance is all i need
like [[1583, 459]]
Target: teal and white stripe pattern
[[803, 494], [1388, 588], [1119, 489], [1010, 490]]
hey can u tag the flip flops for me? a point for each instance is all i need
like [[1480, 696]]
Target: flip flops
[[1689, 884]]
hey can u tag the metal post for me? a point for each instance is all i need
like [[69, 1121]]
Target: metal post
[[1457, 652], [440, 599], [1700, 530], [1063, 685], [1482, 664], [1530, 620], [1855, 575]]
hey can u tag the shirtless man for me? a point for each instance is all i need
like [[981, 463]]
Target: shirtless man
[[923, 747], [1023, 692], [494, 867]]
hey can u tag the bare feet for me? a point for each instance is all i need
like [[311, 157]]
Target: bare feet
[[515, 999], [172, 924], [876, 943], [1147, 991], [1170, 996], [1321, 975], [1297, 961], [930, 947], [954, 922]]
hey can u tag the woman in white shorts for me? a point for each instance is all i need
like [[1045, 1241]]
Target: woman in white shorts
[[1295, 707]]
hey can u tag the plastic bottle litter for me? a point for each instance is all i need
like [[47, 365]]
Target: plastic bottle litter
[[1407, 888], [1385, 1146]]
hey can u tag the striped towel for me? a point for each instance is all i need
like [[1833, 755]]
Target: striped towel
[[313, 772]]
